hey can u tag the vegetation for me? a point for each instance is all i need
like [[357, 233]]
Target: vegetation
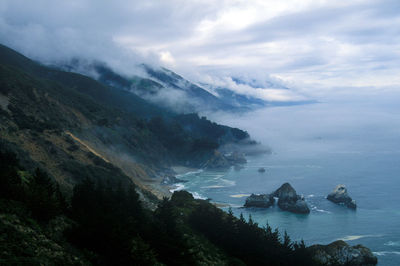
[[43, 98], [101, 221], [109, 226]]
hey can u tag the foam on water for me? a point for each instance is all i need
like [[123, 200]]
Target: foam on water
[[214, 186], [239, 195], [384, 253], [197, 195], [177, 187], [393, 243], [351, 238], [314, 208]]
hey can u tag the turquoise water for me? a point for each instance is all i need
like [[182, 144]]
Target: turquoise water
[[314, 162]]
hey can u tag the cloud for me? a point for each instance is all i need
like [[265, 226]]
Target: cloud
[[311, 43], [369, 124]]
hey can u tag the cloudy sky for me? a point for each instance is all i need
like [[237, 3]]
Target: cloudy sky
[[316, 47]]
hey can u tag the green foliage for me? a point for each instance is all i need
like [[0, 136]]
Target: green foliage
[[47, 99], [107, 219], [112, 228], [110, 225], [38, 192], [246, 240]]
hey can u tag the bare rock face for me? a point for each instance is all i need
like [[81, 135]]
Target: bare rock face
[[236, 158], [340, 196], [171, 179], [290, 201], [340, 253], [286, 192], [217, 161], [260, 201]]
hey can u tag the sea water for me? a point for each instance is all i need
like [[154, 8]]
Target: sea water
[[314, 156]]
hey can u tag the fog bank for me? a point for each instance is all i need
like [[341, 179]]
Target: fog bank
[[356, 124]]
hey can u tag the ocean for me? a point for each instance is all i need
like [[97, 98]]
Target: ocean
[[315, 148]]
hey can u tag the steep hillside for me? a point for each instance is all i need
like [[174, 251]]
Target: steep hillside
[[105, 224], [160, 86], [68, 122]]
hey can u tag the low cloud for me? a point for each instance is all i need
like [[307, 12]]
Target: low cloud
[[312, 44], [360, 125]]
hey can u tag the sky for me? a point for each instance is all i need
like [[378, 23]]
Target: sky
[[319, 49]]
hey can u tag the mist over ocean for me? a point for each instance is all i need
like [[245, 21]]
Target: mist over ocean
[[316, 147]]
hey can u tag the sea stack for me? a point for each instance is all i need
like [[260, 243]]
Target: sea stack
[[290, 201], [340, 196]]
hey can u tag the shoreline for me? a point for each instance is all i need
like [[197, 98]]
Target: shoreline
[[182, 170]]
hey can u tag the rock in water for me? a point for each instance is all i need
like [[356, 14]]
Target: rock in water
[[261, 170], [259, 201], [289, 200], [339, 196], [340, 253]]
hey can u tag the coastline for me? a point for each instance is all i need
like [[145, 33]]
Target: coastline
[[182, 170]]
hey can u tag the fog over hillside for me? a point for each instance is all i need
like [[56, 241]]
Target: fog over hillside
[[309, 46]]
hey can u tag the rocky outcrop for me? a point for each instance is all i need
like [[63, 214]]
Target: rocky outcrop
[[289, 200], [221, 161], [340, 253], [260, 201], [171, 179], [217, 161], [340, 196], [261, 170], [236, 158]]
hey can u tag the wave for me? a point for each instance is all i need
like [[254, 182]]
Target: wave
[[216, 177], [314, 208], [239, 195], [384, 253], [214, 186], [355, 237], [392, 243], [197, 195], [177, 187], [229, 183]]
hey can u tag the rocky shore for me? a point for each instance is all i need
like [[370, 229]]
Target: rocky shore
[[340, 253]]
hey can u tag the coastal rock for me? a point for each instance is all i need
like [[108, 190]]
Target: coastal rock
[[238, 167], [261, 170], [217, 161], [289, 200], [171, 179], [340, 196], [340, 253], [259, 201], [236, 158]]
